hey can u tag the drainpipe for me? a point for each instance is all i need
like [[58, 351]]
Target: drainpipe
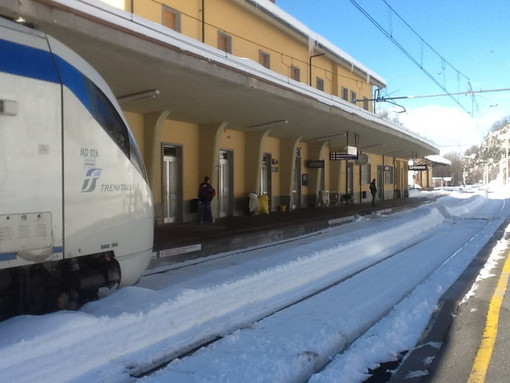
[[203, 21], [310, 66]]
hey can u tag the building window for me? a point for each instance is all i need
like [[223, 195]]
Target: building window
[[345, 94], [389, 175], [354, 97], [295, 73], [265, 59], [224, 42], [319, 83], [171, 18]]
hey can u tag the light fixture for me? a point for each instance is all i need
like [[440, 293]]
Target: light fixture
[[138, 96], [328, 138], [269, 123], [373, 146]]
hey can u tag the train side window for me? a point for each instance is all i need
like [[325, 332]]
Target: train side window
[[136, 158]]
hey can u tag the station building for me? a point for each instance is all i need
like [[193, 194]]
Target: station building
[[240, 91]]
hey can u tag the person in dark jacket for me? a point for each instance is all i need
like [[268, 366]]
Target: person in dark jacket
[[373, 190], [205, 194]]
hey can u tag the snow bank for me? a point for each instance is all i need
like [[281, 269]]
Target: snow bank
[[136, 326]]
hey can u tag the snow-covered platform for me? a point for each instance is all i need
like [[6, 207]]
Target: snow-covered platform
[[178, 242]]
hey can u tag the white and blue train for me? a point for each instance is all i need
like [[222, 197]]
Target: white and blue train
[[76, 211]]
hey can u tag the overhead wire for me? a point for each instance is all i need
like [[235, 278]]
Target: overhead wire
[[389, 35], [444, 62]]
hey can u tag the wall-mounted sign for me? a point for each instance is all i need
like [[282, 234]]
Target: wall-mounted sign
[[419, 168], [315, 164]]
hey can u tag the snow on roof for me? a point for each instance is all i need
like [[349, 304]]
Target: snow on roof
[[438, 159], [158, 32], [313, 37]]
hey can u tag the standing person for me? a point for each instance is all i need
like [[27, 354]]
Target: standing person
[[373, 190], [205, 194]]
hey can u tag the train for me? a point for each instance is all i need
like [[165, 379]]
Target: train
[[76, 209]]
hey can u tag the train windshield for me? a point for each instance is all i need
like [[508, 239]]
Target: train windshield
[[105, 113], [102, 109]]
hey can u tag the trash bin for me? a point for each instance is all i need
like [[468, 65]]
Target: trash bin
[[364, 194], [263, 204], [194, 205], [253, 203], [323, 198]]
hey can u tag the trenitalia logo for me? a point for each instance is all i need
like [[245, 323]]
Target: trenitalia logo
[[91, 177]]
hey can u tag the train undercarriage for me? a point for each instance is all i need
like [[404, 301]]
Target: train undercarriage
[[50, 286]]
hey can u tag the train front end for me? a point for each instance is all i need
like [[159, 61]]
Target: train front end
[[76, 210]]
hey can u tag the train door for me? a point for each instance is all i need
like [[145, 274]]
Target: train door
[[171, 182], [265, 178], [296, 182], [225, 183], [31, 149]]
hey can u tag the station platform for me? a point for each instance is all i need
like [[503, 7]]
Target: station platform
[[467, 342], [179, 242]]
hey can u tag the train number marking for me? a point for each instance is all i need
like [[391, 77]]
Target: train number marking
[[89, 152]]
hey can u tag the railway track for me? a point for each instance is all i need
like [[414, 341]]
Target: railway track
[[318, 361], [139, 372], [287, 310]]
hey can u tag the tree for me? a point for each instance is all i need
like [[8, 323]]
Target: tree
[[472, 150], [500, 124], [455, 170]]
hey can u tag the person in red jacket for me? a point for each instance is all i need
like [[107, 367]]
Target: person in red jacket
[[205, 194]]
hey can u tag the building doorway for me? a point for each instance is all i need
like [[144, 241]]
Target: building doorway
[[265, 178], [380, 182], [225, 183], [296, 182], [350, 180], [172, 183]]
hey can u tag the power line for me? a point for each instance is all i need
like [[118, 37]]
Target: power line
[[466, 93], [443, 60], [409, 55]]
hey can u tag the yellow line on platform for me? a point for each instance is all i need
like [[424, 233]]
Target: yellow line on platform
[[484, 354]]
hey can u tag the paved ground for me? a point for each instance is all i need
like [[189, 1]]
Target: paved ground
[[446, 353], [184, 241]]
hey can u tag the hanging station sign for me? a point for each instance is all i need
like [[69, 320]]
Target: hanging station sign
[[418, 168], [348, 153]]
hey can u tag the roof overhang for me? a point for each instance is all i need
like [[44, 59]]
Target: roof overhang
[[200, 84], [438, 160]]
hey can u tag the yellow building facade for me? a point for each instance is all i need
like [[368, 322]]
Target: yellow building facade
[[293, 173]]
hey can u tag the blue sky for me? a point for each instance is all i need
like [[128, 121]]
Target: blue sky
[[472, 36]]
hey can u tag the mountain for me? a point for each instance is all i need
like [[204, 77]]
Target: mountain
[[489, 162]]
